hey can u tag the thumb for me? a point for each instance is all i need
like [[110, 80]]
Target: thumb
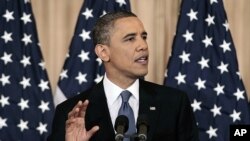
[[92, 131]]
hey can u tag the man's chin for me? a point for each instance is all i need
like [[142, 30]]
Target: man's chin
[[143, 74]]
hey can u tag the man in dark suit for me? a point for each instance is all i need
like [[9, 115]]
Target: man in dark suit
[[120, 41]]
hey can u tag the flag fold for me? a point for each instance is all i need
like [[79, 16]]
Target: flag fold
[[204, 64]]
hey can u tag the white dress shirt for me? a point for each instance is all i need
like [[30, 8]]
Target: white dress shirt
[[114, 100]]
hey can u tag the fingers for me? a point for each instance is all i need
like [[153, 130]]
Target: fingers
[[79, 110], [74, 131], [76, 123], [92, 131], [74, 111], [83, 108]]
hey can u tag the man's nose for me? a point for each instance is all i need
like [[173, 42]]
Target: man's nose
[[142, 45]]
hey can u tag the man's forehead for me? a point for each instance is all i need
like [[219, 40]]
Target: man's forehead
[[128, 23]]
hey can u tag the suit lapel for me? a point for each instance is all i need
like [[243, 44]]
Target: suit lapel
[[148, 106], [99, 114]]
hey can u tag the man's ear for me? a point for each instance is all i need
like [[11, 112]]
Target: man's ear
[[102, 51]]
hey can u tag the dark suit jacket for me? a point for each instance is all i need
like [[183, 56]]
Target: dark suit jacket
[[172, 119]]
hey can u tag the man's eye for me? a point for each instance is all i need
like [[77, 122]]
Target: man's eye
[[130, 39], [144, 37]]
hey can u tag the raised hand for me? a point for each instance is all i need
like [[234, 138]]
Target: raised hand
[[75, 124]]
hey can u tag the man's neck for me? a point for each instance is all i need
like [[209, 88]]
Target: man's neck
[[120, 81]]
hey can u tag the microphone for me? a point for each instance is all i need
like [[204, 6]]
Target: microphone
[[121, 126], [142, 127]]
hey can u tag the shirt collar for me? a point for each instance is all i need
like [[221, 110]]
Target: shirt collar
[[112, 91]]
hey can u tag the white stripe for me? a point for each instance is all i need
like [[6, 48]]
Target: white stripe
[[59, 96]]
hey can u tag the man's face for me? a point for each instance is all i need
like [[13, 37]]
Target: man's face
[[128, 49]]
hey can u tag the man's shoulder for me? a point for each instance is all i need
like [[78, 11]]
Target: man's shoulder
[[165, 94], [159, 87], [70, 102]]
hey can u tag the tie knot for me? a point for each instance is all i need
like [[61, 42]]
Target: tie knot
[[125, 95]]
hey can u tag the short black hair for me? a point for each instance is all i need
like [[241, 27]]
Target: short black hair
[[102, 28]]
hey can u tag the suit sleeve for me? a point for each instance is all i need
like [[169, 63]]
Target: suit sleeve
[[187, 128], [58, 126]]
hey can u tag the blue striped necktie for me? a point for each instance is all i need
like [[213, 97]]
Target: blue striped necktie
[[126, 110]]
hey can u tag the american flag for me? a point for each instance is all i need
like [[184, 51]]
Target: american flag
[[203, 63], [25, 96], [82, 69]]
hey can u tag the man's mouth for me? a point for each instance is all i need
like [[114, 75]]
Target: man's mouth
[[143, 59]]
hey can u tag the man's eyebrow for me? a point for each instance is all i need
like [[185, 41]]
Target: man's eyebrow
[[144, 33], [134, 34], [128, 35]]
